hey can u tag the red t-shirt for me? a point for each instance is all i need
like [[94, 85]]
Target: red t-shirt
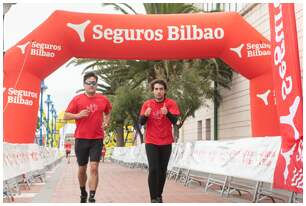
[[68, 146], [89, 127], [159, 127]]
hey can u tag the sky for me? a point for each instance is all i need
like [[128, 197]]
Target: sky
[[22, 18]]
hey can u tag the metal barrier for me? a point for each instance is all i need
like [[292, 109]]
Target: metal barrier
[[12, 186], [184, 164]]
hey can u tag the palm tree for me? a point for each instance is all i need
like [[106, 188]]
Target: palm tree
[[126, 105], [156, 8], [190, 81], [210, 69]]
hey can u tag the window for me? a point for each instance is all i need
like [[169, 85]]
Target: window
[[207, 7], [208, 129], [199, 130]]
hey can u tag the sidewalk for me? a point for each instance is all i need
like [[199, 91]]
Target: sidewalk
[[118, 184]]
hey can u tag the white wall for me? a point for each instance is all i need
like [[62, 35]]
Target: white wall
[[234, 117], [188, 132]]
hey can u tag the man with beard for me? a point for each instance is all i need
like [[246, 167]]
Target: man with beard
[[158, 114]]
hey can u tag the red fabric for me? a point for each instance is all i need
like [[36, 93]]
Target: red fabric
[[115, 36], [159, 127], [90, 127], [288, 92], [68, 146]]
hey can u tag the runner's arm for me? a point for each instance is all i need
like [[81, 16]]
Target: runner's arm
[[69, 116], [142, 119], [107, 118], [173, 118]]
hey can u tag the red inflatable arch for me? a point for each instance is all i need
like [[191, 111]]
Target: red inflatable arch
[[152, 37]]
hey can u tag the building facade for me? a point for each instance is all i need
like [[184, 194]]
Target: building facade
[[234, 116]]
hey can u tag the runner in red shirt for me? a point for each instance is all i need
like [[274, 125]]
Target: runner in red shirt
[[158, 114], [88, 110], [68, 151]]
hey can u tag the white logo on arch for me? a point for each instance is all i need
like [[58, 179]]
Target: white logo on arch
[[238, 50], [264, 96], [80, 29], [23, 47]]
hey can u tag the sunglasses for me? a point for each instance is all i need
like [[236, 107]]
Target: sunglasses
[[91, 83]]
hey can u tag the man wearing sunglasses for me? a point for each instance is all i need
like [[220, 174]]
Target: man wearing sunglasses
[[91, 112]]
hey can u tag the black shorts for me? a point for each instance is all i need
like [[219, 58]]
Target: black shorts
[[88, 148]]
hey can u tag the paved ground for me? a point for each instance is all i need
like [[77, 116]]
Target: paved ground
[[118, 184]]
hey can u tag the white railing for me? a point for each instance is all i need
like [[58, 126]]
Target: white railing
[[249, 158], [20, 159]]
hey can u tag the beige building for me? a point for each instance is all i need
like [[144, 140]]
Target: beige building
[[234, 116]]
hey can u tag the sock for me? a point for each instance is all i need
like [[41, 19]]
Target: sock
[[83, 191], [92, 194]]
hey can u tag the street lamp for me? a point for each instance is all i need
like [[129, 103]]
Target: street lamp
[[52, 125], [43, 87], [55, 117], [48, 102], [216, 104]]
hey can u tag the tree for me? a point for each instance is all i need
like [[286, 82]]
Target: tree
[[126, 105], [156, 8], [189, 85], [190, 81]]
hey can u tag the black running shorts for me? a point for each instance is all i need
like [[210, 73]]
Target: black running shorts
[[88, 148]]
